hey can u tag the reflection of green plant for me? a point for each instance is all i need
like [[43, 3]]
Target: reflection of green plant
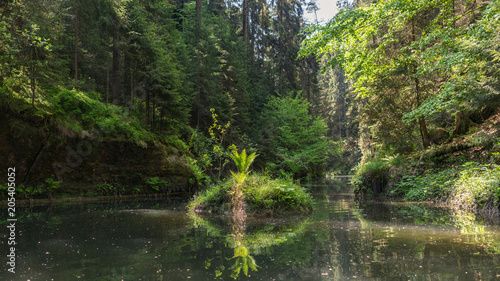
[[245, 245], [243, 260]]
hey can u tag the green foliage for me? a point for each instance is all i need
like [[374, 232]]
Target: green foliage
[[468, 187], [481, 139], [199, 173], [52, 184], [262, 195], [106, 189], [212, 153], [243, 164], [475, 186], [33, 192], [371, 177], [90, 113], [156, 184], [432, 186], [294, 141], [410, 61], [215, 198]]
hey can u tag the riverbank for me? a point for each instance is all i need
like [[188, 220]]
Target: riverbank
[[463, 173], [97, 199]]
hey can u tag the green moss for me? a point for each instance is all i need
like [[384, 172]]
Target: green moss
[[262, 195]]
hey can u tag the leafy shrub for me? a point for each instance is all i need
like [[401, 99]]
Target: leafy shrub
[[481, 139], [215, 198], [432, 186], [371, 177], [156, 184], [108, 189], [52, 184], [475, 186], [468, 187], [264, 194]]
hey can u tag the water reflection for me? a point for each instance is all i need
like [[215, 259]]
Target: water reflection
[[341, 240]]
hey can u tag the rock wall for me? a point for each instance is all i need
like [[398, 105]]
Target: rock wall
[[39, 149]]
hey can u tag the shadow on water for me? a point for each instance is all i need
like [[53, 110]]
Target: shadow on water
[[341, 240]]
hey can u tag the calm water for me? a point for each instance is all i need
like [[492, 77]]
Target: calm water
[[340, 240]]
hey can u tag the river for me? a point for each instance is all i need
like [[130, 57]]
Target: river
[[340, 240]]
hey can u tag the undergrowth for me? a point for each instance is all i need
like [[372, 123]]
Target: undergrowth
[[262, 195], [83, 113], [470, 187]]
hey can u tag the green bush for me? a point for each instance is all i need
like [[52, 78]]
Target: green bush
[[371, 177], [157, 184], [476, 186], [106, 189], [262, 195], [468, 187]]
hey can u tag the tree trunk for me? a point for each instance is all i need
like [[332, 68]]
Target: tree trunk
[[131, 86], [32, 80], [280, 46], [462, 124], [246, 23], [153, 114], [147, 108], [116, 66], [76, 45], [198, 54], [107, 80], [426, 142]]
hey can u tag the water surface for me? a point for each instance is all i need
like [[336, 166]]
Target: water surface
[[340, 240]]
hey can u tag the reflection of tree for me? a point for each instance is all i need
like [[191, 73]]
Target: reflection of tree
[[244, 244], [242, 258]]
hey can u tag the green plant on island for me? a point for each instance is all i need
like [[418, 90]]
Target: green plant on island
[[262, 195], [243, 163]]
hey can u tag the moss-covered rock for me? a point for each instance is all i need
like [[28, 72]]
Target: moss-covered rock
[[438, 135], [81, 160]]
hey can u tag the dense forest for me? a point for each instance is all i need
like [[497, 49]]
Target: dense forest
[[198, 75], [381, 84]]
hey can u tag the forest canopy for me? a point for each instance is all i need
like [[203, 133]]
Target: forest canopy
[[410, 62]]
